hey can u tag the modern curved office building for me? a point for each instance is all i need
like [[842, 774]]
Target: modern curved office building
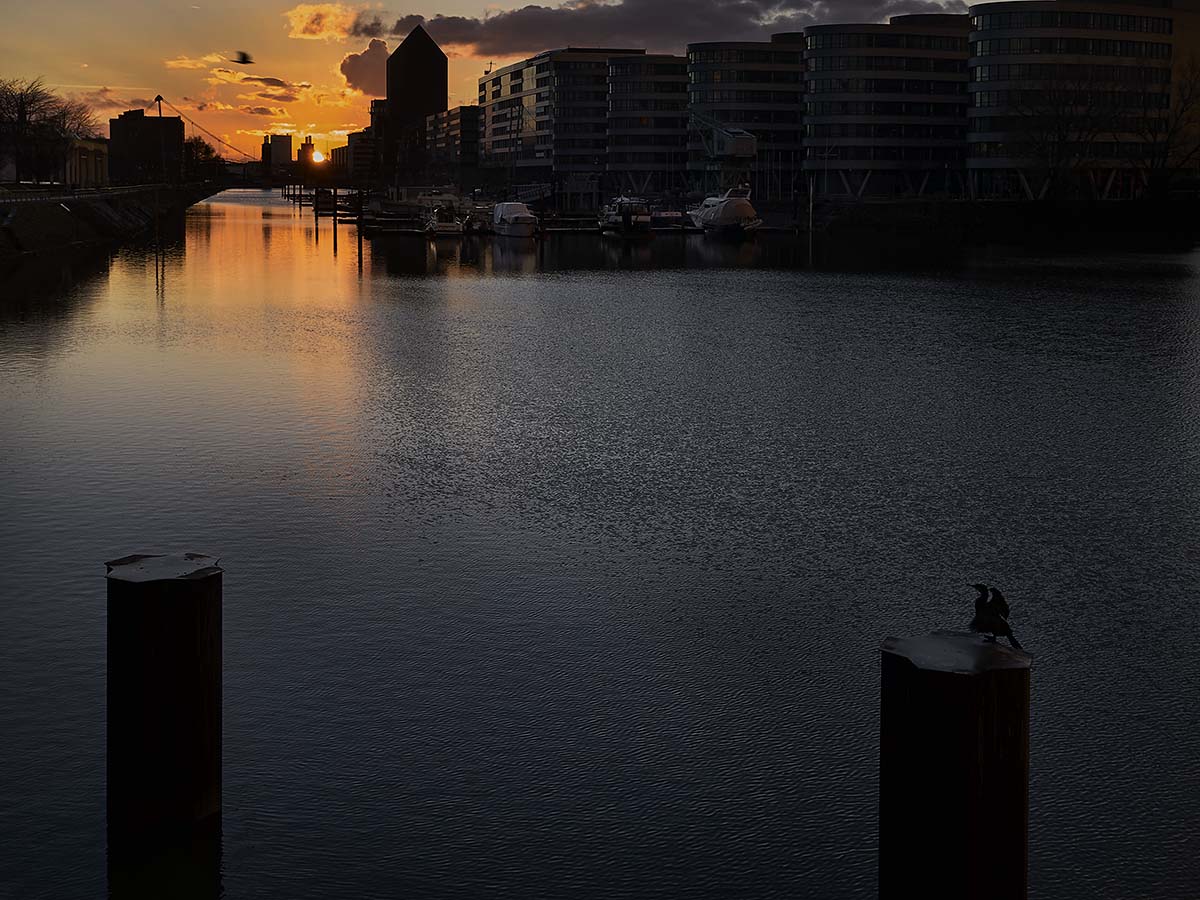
[[647, 124], [1072, 97], [756, 86], [885, 106]]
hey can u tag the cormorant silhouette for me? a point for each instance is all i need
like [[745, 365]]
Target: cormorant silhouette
[[243, 59], [991, 615]]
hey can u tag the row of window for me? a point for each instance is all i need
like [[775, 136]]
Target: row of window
[[746, 76], [1065, 72], [882, 108], [755, 116], [732, 96], [1065, 150], [580, 96], [888, 130], [751, 57], [580, 80], [579, 65], [885, 154], [1055, 19], [885, 40], [883, 86], [1031, 122], [648, 87], [625, 68], [886, 64], [580, 128], [1069, 46], [648, 140], [642, 122], [1083, 100], [658, 157], [646, 104]]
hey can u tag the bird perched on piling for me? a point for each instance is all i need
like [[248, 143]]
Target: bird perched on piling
[[991, 615]]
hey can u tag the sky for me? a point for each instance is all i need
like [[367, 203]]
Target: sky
[[318, 65]]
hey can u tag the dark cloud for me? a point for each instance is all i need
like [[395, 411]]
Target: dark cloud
[[367, 71], [368, 26], [282, 96], [263, 110], [265, 81], [654, 24], [104, 98]]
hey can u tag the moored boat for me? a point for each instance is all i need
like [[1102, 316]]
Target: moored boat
[[513, 220], [444, 224], [730, 215], [626, 216]]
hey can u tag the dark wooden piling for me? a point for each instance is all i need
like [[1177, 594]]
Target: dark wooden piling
[[164, 698], [953, 769]]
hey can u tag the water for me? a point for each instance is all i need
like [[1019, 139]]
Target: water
[[562, 571]]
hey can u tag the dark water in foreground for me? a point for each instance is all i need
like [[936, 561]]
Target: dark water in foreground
[[551, 581]]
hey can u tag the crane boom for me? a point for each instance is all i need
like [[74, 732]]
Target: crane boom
[[721, 141]]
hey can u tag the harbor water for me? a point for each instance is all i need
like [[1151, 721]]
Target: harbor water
[[560, 569]]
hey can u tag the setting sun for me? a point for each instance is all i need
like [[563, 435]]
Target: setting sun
[[318, 156]]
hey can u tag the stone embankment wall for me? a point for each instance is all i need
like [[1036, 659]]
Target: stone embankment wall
[[59, 221]]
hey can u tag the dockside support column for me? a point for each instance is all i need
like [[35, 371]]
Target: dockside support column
[[164, 699], [953, 769]]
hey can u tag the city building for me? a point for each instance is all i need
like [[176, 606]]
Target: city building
[[357, 158], [417, 87], [452, 138], [756, 86], [339, 159], [363, 156], [647, 124], [544, 120], [886, 106], [87, 162], [304, 154], [144, 149], [280, 156], [1075, 98]]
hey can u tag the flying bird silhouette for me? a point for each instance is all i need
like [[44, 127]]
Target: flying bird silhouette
[[243, 58], [991, 615]]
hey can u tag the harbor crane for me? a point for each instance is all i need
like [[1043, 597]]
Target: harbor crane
[[730, 151]]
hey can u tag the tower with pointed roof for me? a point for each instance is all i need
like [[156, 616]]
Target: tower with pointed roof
[[417, 86]]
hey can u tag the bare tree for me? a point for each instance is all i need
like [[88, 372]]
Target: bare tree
[[1165, 127], [37, 127], [1061, 119]]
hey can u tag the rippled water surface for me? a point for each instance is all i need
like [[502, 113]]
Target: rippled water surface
[[562, 571]]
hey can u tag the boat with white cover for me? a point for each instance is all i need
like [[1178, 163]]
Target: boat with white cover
[[513, 220], [731, 214]]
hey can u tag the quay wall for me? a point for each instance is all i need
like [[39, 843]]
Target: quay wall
[[50, 222]]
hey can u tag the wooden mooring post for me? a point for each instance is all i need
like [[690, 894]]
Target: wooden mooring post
[[953, 769], [164, 699]]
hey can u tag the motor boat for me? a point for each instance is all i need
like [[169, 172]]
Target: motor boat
[[626, 216], [668, 220], [444, 224], [731, 214], [513, 220]]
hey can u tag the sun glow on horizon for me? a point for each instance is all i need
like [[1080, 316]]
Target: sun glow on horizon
[[318, 156]]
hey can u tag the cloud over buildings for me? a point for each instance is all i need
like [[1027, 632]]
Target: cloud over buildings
[[320, 21], [263, 110], [188, 62], [655, 24], [106, 99], [367, 71]]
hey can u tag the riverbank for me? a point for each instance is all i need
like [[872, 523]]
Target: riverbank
[[60, 221]]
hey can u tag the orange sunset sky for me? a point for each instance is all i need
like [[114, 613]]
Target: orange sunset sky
[[318, 65]]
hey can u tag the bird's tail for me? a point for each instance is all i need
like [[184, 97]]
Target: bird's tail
[[1012, 640]]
